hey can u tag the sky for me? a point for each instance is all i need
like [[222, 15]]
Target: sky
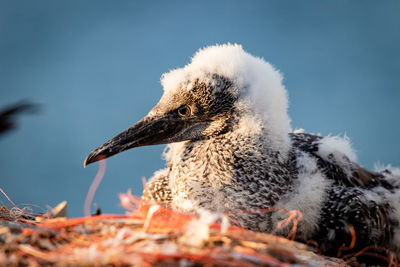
[[95, 68]]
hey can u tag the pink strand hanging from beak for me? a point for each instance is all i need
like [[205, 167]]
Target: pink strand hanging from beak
[[93, 187]]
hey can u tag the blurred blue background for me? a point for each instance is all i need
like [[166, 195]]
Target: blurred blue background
[[95, 68]]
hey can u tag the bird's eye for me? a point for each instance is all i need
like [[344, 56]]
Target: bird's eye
[[184, 111]]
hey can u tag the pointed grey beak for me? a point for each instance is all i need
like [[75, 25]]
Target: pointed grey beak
[[148, 131]]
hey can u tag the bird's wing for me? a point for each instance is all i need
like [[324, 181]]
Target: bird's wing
[[357, 176]]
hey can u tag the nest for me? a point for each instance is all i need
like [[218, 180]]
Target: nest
[[149, 236]]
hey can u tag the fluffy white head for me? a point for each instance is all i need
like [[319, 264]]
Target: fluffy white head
[[257, 82]]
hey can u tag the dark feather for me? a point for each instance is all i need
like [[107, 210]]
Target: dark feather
[[346, 203], [360, 176]]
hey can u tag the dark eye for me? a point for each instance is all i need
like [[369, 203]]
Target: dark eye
[[184, 111]]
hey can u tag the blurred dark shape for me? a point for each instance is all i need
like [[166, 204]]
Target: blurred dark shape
[[7, 114], [97, 211]]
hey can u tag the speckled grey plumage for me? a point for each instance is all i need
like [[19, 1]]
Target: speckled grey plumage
[[259, 180]]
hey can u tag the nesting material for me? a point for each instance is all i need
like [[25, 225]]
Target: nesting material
[[152, 235], [162, 238]]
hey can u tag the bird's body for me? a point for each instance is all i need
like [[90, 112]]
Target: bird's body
[[222, 175], [231, 149]]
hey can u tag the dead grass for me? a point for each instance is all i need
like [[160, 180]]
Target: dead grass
[[152, 236]]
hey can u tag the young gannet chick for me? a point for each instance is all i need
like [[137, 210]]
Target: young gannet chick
[[231, 148]]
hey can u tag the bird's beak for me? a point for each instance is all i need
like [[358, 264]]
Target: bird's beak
[[148, 131]]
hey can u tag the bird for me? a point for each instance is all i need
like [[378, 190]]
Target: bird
[[231, 148], [7, 114]]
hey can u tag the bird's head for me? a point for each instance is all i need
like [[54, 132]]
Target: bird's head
[[223, 89]]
